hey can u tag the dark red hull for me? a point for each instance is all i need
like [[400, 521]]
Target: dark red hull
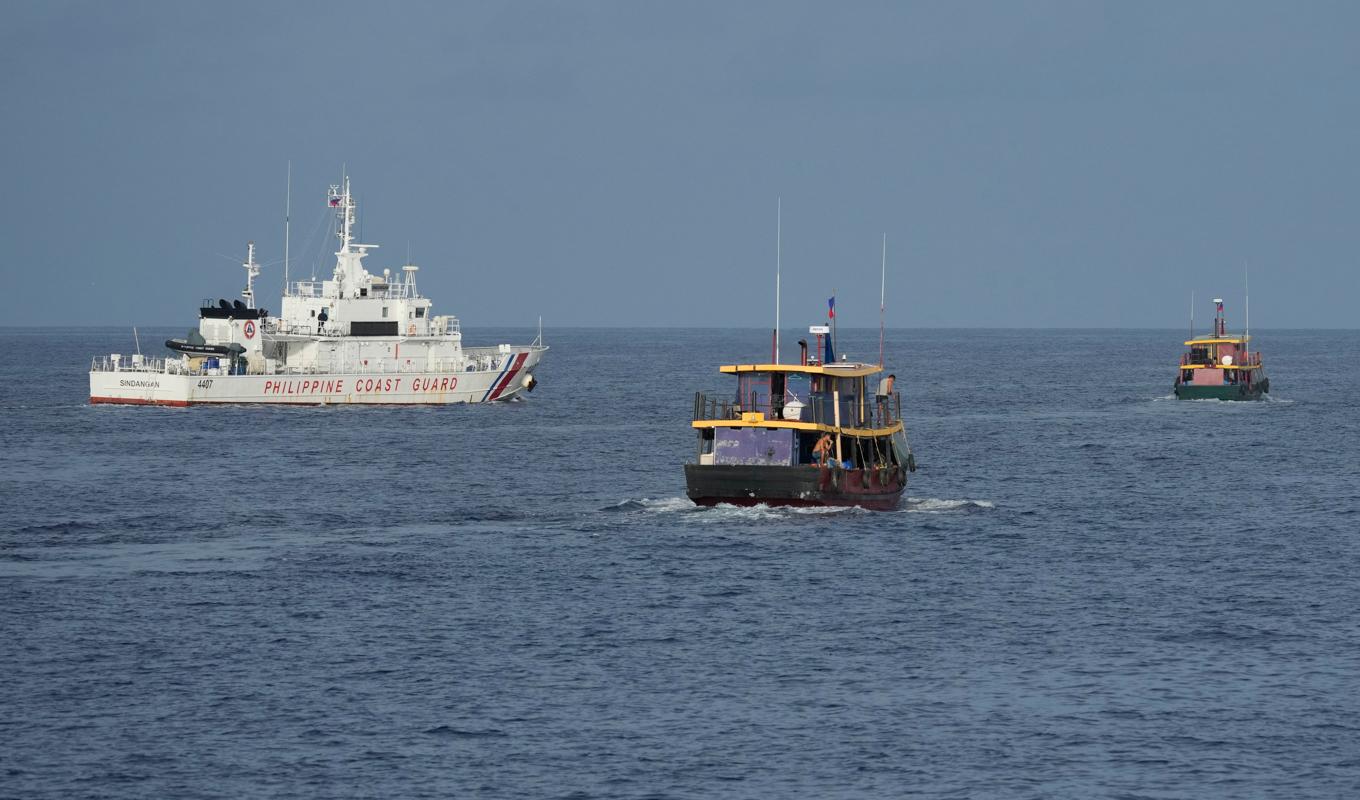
[[804, 486]]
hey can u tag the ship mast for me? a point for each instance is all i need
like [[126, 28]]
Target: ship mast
[[778, 267], [882, 297], [341, 199], [287, 223], [252, 271], [349, 258]]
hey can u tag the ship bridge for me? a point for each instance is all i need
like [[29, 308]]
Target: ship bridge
[[354, 301]]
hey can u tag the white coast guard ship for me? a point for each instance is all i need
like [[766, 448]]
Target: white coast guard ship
[[356, 338]]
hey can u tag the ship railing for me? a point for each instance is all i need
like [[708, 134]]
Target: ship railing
[[879, 411], [392, 291], [1246, 360], [115, 362], [487, 359], [304, 289], [275, 325], [390, 366]]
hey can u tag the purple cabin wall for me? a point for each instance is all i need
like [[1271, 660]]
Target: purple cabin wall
[[753, 446]]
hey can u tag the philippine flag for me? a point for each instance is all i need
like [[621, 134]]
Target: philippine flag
[[335, 202], [831, 308]]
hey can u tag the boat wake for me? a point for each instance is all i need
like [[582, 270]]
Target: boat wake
[[934, 505], [1264, 400], [683, 505], [660, 506]]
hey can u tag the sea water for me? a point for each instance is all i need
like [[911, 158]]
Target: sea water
[[1091, 589]]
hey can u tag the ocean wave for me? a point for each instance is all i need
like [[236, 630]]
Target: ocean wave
[[935, 505]]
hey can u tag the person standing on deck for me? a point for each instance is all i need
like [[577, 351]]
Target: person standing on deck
[[885, 390]]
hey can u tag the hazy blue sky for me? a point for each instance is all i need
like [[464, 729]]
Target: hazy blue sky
[[1033, 164]]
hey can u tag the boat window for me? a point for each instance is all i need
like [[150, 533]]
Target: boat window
[[420, 312], [753, 391], [384, 311]]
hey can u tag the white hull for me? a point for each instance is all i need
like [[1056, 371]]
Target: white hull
[[146, 387]]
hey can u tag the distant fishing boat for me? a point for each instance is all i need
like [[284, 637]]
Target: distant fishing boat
[[1220, 366]]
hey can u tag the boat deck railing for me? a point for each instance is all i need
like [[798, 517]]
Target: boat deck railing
[[303, 289], [115, 362], [879, 411], [1249, 360], [438, 326], [473, 359]]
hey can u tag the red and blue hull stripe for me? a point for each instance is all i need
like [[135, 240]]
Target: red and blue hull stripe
[[508, 373]]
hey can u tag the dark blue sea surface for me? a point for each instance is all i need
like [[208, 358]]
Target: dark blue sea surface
[[1093, 590]]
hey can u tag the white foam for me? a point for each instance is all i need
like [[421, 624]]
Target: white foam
[[666, 505], [935, 505], [762, 511], [721, 511]]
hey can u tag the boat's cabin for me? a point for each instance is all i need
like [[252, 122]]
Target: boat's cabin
[[1218, 361], [1220, 358], [788, 415], [841, 396]]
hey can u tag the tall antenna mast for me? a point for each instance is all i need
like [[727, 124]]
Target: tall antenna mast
[[1246, 283], [1192, 313], [252, 271], [882, 297], [778, 267], [287, 222], [347, 216]]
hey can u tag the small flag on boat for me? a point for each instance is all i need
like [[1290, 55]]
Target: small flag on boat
[[1219, 303], [831, 308], [335, 202]]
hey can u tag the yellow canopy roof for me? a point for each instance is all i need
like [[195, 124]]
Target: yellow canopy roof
[[1220, 340], [840, 369]]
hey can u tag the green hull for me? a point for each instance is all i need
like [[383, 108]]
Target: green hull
[[1226, 392]]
